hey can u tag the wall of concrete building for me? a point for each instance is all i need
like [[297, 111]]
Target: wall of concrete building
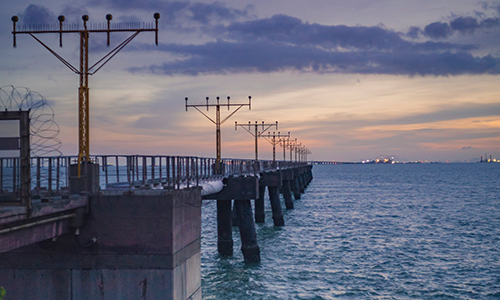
[[148, 247]]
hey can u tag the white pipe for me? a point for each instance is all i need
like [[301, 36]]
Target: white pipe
[[211, 187]]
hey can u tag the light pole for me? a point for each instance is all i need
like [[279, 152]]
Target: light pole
[[218, 122]]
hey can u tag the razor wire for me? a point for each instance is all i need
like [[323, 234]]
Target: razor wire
[[43, 128]]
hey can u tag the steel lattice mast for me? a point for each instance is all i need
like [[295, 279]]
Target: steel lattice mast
[[218, 122], [84, 71]]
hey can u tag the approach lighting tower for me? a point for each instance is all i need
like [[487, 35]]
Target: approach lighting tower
[[292, 144], [297, 150], [307, 151], [276, 139], [218, 122], [303, 152], [257, 133], [84, 71]]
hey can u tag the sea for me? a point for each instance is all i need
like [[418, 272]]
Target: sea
[[377, 231]]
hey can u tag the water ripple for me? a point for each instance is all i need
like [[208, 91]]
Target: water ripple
[[372, 232]]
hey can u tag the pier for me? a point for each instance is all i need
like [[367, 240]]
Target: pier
[[130, 226], [126, 227]]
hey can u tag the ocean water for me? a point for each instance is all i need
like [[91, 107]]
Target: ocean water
[[421, 231]]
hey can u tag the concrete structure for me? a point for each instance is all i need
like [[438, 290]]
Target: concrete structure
[[139, 239], [143, 244], [241, 189]]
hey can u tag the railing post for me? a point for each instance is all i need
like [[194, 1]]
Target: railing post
[[14, 177], [159, 165], [179, 171], [58, 168], [153, 161], [117, 169], [144, 170], [129, 167], [1, 173], [105, 168], [68, 182], [168, 171], [38, 176], [187, 170], [50, 177], [197, 172]]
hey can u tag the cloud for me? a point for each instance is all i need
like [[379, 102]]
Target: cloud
[[244, 57], [286, 43], [414, 32], [437, 30], [495, 6], [458, 112], [283, 28], [37, 14], [468, 148], [462, 25], [176, 13]]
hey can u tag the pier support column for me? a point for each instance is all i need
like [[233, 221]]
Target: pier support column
[[259, 206], [249, 246], [274, 196], [301, 182], [234, 216], [295, 188], [224, 228], [241, 187], [287, 194]]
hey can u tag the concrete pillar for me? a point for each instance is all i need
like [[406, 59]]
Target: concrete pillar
[[249, 246], [295, 188], [287, 194], [224, 228], [234, 216], [301, 182], [259, 206], [274, 196]]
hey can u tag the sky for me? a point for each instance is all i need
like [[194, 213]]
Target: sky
[[351, 80]]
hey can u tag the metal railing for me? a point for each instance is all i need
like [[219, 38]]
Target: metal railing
[[51, 176]]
